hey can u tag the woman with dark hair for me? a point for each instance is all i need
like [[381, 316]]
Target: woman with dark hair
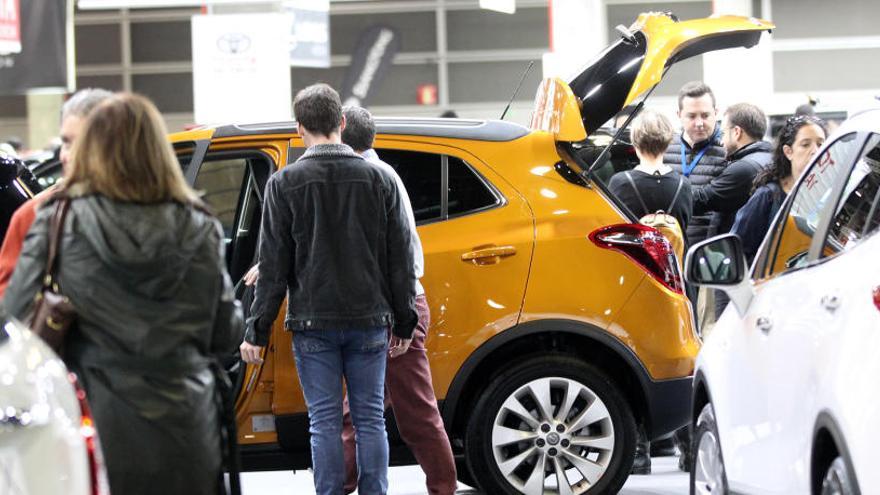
[[798, 141], [142, 263]]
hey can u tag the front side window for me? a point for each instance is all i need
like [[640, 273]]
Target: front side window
[[424, 175], [794, 234], [853, 216]]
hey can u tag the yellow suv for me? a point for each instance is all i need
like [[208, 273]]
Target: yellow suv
[[558, 323]]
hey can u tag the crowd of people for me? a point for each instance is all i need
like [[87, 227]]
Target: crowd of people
[[139, 242]]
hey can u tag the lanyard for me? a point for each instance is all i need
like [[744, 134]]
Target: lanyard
[[687, 168]]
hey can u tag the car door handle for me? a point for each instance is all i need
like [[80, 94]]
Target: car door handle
[[830, 302], [488, 255], [764, 324]]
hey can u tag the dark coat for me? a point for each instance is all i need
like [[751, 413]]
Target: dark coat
[[657, 191], [753, 220], [710, 166], [728, 192], [335, 239], [154, 304]]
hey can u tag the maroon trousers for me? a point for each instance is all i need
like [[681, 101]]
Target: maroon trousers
[[409, 391]]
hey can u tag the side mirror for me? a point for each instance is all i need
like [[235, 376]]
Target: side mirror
[[719, 263]]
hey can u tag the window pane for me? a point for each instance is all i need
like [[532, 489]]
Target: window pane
[[421, 174], [812, 195], [13, 106], [487, 30], [469, 82], [467, 191], [110, 83], [825, 70], [417, 30], [161, 41], [221, 182], [170, 92], [98, 44], [821, 18], [860, 193]]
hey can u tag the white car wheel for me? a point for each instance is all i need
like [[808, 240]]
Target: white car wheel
[[837, 480], [707, 470]]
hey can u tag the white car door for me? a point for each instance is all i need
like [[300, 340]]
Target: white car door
[[786, 327]]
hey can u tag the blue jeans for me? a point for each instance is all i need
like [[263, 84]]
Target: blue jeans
[[323, 359]]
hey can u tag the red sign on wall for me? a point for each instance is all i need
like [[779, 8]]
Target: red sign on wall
[[10, 27], [426, 94]]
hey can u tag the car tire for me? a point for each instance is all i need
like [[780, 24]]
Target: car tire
[[837, 480], [511, 433], [707, 462]]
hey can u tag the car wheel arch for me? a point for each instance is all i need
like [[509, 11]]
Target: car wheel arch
[[828, 443], [545, 336], [701, 396]]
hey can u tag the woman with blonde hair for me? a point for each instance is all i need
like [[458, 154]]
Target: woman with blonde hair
[[142, 263]]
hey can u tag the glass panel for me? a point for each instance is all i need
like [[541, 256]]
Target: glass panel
[[861, 191], [467, 191], [811, 196], [221, 181], [170, 92], [98, 44], [421, 175], [161, 41], [835, 70], [110, 83], [417, 30], [491, 82], [487, 30], [819, 18]]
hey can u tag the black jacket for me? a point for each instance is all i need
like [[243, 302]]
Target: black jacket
[[710, 166], [728, 192], [656, 191], [154, 303], [335, 238], [753, 220]]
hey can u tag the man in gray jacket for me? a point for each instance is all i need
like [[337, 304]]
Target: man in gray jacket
[[335, 239]]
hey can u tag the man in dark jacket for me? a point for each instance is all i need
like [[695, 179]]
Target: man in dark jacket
[[742, 128], [335, 238], [697, 153]]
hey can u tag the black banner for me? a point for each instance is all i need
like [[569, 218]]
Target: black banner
[[370, 61], [42, 62]]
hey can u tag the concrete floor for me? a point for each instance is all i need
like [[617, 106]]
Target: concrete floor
[[665, 479]]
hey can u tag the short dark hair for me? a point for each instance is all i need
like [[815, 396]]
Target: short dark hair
[[695, 89], [749, 118], [360, 130], [318, 109]]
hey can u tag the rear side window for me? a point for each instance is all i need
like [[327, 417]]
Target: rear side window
[[855, 215], [220, 181], [440, 186]]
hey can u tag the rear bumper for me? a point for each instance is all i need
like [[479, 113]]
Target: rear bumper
[[668, 404]]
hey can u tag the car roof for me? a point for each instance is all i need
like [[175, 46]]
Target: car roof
[[865, 120], [476, 130]]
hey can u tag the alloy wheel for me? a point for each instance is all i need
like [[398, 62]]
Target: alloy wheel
[[553, 435], [708, 469]]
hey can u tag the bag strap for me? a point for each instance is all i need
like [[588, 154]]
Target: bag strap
[[636, 190], [56, 227], [675, 196]]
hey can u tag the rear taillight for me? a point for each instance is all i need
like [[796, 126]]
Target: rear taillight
[[647, 247], [877, 297], [97, 470]]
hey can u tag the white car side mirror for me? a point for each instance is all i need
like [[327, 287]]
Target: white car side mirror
[[719, 263]]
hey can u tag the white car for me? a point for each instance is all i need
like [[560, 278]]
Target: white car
[[786, 398], [48, 443]]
